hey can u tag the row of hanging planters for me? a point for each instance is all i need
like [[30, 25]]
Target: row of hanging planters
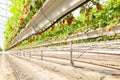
[[93, 15], [29, 11], [23, 11]]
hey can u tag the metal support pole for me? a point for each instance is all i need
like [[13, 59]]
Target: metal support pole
[[17, 53], [71, 55], [23, 53], [30, 54], [20, 53], [41, 55]]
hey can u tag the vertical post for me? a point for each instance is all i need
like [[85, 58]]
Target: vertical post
[[20, 53], [17, 53], [23, 53], [41, 55], [71, 55], [30, 54]]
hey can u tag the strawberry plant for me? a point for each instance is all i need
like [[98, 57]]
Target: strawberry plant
[[93, 15], [21, 20], [99, 7], [69, 19]]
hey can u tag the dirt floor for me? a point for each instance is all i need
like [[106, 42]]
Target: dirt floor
[[31, 71], [82, 72], [6, 72], [51, 69]]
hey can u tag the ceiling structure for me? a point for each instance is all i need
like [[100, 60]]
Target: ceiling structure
[[4, 15]]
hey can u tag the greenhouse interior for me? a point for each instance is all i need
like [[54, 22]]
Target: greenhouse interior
[[60, 40]]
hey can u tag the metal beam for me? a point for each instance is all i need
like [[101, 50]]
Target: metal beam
[[53, 10], [82, 36]]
